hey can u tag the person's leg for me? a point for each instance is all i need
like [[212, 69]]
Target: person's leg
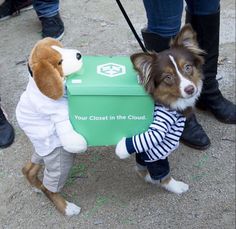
[[163, 16], [48, 14], [204, 17], [46, 8], [6, 131], [202, 7], [163, 22], [13, 7]]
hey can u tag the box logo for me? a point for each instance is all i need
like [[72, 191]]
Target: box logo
[[111, 69]]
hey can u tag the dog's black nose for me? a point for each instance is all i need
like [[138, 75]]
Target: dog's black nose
[[189, 89], [78, 56]]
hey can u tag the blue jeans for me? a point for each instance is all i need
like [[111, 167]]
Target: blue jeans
[[164, 16], [46, 8]]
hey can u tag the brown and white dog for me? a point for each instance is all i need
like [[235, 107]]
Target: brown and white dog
[[42, 113], [173, 78]]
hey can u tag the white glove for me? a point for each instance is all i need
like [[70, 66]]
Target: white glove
[[121, 150], [71, 141]]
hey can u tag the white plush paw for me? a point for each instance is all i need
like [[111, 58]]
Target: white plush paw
[[177, 187], [72, 209], [74, 143], [121, 150]]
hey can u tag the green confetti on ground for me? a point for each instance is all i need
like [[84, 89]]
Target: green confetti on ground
[[202, 161], [100, 201], [95, 158]]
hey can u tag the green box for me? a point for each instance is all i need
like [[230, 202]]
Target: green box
[[106, 102]]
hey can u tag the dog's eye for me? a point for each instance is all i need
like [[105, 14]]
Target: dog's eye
[[78, 56], [60, 62], [188, 68], [168, 78]]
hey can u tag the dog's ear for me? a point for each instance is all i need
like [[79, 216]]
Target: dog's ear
[[48, 79], [142, 63], [187, 38]]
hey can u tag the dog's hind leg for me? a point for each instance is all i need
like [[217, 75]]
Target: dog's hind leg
[[63, 206], [31, 170]]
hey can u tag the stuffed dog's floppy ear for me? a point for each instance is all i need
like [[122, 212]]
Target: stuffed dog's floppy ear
[[142, 63], [49, 81]]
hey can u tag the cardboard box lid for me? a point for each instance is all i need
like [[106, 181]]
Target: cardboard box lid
[[105, 75]]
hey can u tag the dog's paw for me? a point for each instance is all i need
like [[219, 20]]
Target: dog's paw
[[121, 150], [71, 209], [177, 187]]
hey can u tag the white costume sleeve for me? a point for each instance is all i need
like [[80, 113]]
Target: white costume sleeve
[[71, 141]]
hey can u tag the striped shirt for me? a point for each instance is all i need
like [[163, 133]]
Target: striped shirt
[[161, 138]]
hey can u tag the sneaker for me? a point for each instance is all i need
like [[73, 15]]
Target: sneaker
[[52, 27], [14, 7], [6, 131]]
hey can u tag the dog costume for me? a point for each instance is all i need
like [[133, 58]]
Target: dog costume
[[43, 114], [162, 137]]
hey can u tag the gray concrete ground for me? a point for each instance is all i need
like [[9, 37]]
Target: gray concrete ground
[[107, 189]]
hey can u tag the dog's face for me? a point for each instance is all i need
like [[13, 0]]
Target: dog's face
[[70, 60], [173, 77], [50, 63]]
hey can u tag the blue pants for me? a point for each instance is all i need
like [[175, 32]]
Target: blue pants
[[46, 8], [164, 16], [157, 169]]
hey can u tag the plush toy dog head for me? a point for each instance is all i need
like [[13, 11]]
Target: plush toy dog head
[[50, 63]]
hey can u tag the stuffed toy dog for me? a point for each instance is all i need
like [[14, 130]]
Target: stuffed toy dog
[[42, 113]]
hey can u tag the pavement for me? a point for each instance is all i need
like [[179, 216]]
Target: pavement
[[106, 188]]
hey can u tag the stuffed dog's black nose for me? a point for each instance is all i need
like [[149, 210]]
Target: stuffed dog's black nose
[[78, 56]]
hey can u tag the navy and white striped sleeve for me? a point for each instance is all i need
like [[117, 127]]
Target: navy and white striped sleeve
[[153, 136]]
